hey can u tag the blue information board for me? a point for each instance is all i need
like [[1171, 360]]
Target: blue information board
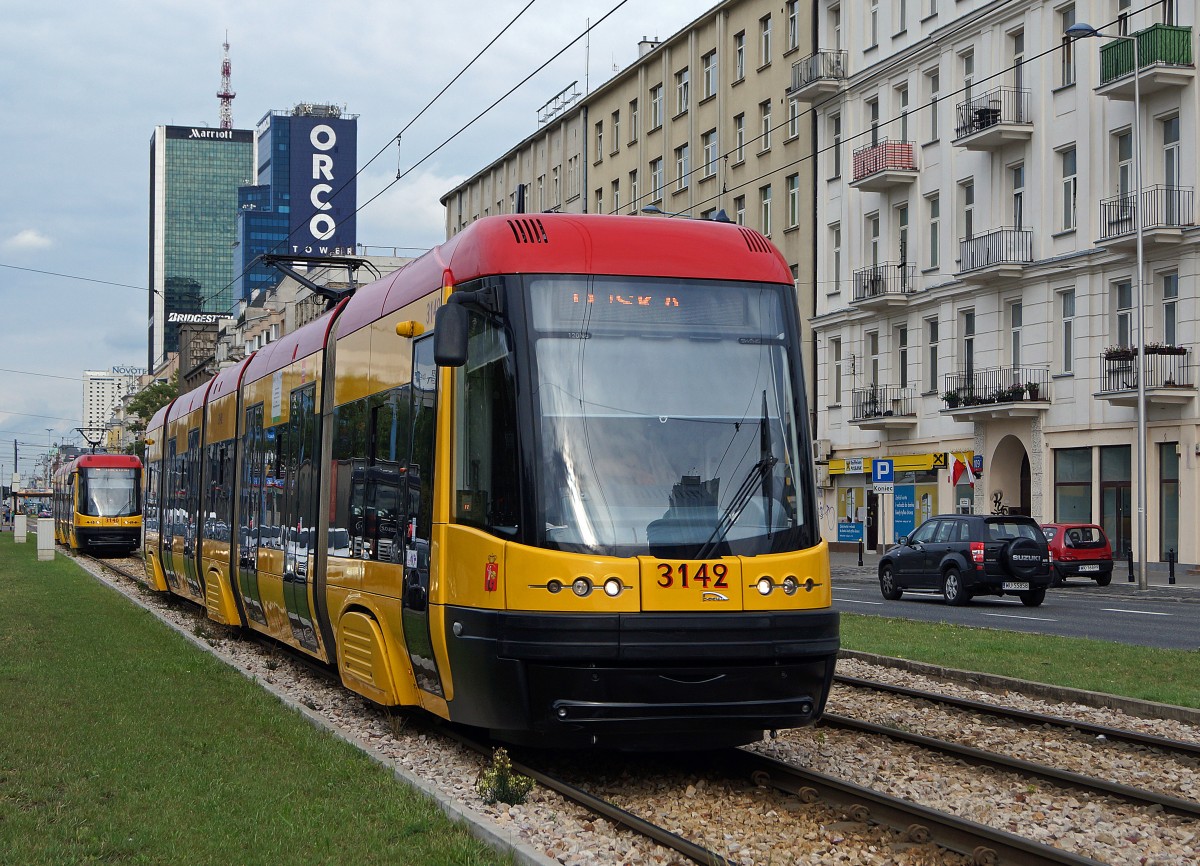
[[850, 531]]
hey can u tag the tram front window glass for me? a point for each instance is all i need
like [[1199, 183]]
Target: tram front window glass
[[109, 492], [669, 421]]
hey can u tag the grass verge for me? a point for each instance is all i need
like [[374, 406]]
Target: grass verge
[[122, 742], [1167, 676]]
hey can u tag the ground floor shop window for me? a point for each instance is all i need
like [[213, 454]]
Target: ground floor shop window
[[1168, 503], [1116, 497], [1073, 485]]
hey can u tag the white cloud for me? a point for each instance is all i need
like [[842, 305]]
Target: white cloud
[[27, 239]]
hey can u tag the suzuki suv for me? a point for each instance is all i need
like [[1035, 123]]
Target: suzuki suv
[[963, 555]]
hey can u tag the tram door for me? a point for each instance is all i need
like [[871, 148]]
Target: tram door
[[418, 508], [172, 532], [191, 531]]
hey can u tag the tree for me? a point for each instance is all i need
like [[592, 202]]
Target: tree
[[144, 404]]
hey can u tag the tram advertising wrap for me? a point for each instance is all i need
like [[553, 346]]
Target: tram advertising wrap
[[551, 480]]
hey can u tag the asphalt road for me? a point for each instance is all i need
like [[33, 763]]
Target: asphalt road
[[1164, 617]]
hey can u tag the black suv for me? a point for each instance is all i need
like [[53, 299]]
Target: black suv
[[961, 555]]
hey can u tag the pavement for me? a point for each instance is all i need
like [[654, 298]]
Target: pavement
[[844, 564]]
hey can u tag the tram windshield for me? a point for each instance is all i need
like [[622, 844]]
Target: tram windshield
[[109, 492], [669, 419]]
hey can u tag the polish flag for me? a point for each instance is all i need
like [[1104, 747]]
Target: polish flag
[[959, 468]]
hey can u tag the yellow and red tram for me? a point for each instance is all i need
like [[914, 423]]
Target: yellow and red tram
[[98, 503], [552, 479]]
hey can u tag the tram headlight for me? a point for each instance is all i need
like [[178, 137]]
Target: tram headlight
[[582, 587], [613, 587], [554, 587], [790, 585], [765, 585]]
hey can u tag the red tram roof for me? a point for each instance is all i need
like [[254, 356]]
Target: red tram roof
[[299, 344], [575, 244], [102, 461], [226, 381], [189, 402]]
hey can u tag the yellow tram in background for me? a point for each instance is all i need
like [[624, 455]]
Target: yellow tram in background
[[552, 480], [98, 503]]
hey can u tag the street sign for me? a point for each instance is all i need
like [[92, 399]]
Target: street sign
[[883, 476]]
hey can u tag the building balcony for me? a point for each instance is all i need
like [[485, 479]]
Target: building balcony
[[883, 407], [997, 392], [994, 119], [818, 74], [1167, 370], [998, 254], [883, 165], [1165, 212], [884, 285], [1164, 57]]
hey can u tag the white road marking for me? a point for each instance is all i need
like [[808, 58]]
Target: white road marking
[[1012, 616], [858, 601], [1142, 612]]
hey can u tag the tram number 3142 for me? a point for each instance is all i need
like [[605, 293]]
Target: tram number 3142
[[705, 572]]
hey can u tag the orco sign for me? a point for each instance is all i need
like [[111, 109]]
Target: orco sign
[[324, 193]]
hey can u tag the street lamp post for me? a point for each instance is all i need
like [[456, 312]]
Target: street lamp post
[[1077, 31]]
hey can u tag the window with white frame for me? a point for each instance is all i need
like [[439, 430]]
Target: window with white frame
[[1070, 188], [1172, 173], [1123, 300], [967, 329], [764, 200], [873, 239], [633, 191], [902, 355], [764, 139], [873, 119], [1016, 42], [835, 370], [902, 236], [1016, 175], [792, 9], [1015, 314], [708, 67], [739, 55], [1123, 16], [902, 100], [682, 87], [555, 186], [835, 132], [656, 179], [739, 137], [793, 118], [656, 106], [1066, 75], [931, 8], [933, 82], [616, 131], [901, 22], [1066, 313], [835, 27], [599, 201], [682, 167], [708, 144], [873, 357], [934, 203], [739, 210], [1170, 297], [931, 355], [633, 121], [1124, 164], [967, 217], [834, 284], [599, 140], [967, 67], [616, 196], [873, 24], [793, 200], [764, 41]]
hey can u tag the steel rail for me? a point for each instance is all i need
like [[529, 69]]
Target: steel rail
[[1178, 805], [986, 846], [1110, 733]]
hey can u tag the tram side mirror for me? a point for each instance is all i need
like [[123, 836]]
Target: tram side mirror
[[450, 335]]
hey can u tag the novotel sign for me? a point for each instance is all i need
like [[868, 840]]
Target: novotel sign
[[324, 190]]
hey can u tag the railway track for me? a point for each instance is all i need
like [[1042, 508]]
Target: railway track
[[795, 791]]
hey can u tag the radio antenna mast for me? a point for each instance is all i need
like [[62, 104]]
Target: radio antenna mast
[[226, 95]]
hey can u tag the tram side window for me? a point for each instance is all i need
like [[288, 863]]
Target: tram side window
[[218, 500], [151, 477], [349, 460], [251, 477], [485, 464]]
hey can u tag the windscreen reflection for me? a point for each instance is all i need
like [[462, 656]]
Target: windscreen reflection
[[109, 492], [668, 418]]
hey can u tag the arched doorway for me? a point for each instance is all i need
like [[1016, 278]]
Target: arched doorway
[[1009, 481]]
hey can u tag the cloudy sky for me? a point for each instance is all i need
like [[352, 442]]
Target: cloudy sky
[[84, 85]]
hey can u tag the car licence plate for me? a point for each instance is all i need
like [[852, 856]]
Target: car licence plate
[[1089, 568], [1013, 586]]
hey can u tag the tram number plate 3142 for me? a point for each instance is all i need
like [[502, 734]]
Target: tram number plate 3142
[[688, 575]]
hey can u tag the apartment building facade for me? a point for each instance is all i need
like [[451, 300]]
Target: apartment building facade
[[977, 285], [701, 122]]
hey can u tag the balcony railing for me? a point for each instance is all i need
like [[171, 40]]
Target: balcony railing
[[1002, 105], [882, 401], [884, 279], [1158, 44], [824, 65], [1164, 366], [996, 385], [884, 155], [997, 247], [1162, 207]]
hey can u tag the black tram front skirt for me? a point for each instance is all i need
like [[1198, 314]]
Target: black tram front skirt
[[638, 681]]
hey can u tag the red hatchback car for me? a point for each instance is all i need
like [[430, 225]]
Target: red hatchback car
[[1078, 550]]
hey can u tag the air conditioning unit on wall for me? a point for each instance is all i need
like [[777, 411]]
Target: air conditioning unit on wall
[[821, 449], [823, 476]]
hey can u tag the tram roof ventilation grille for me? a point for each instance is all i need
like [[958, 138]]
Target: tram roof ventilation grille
[[528, 230], [755, 241]]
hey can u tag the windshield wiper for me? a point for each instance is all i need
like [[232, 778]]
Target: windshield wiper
[[758, 476]]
